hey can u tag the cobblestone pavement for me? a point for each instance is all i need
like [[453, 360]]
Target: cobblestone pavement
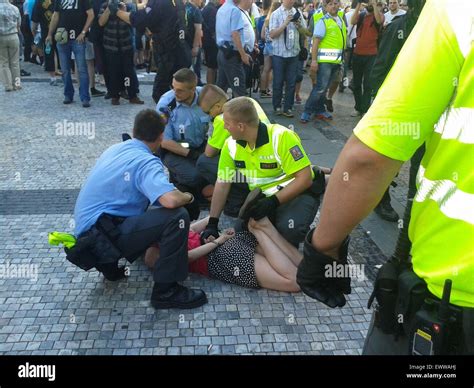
[[53, 307]]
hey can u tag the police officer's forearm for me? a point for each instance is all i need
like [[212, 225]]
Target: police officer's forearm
[[174, 199], [219, 198], [301, 183], [174, 147], [358, 182]]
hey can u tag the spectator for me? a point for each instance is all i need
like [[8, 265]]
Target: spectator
[[284, 25], [194, 34], [10, 21], [117, 40], [73, 20], [369, 23], [394, 10], [209, 39]]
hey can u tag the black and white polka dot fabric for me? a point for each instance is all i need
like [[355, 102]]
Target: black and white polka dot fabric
[[234, 261]]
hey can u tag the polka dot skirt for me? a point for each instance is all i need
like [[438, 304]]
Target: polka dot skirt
[[234, 261]]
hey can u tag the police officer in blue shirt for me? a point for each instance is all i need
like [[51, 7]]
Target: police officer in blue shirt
[[185, 134], [231, 56], [112, 220]]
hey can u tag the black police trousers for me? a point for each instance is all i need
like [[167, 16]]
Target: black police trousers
[[167, 63], [167, 227]]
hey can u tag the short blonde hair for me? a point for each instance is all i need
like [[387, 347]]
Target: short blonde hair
[[242, 110]]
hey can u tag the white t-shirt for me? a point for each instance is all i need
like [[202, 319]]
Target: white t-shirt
[[351, 32], [389, 16], [254, 11], [249, 33]]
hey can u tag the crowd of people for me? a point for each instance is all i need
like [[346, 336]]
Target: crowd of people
[[224, 152]]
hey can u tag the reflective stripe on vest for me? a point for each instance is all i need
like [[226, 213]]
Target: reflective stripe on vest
[[452, 202], [454, 123], [329, 54]]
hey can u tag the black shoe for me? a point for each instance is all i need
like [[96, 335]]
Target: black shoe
[[108, 96], [24, 73], [178, 296], [97, 93], [86, 104], [385, 211], [67, 101]]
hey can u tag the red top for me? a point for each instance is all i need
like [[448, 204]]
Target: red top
[[200, 265], [367, 35]]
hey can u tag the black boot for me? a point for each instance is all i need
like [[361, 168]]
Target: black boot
[[385, 210]]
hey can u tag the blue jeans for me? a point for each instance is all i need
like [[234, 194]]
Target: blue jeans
[[315, 103], [79, 49], [284, 70]]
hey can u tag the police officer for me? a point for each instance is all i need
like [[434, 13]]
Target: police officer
[[166, 20], [212, 100], [442, 216], [271, 158], [232, 55], [186, 130], [112, 209]]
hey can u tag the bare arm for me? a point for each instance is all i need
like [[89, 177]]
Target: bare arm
[[52, 25], [174, 147], [302, 182], [210, 151], [104, 18], [125, 16], [240, 47], [378, 16], [219, 198], [174, 199], [358, 181], [276, 32], [197, 38], [355, 15], [207, 248]]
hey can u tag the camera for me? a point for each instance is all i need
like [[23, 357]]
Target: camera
[[296, 16]]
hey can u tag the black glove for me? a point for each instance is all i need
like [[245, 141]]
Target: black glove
[[193, 154], [211, 229], [265, 207], [312, 275]]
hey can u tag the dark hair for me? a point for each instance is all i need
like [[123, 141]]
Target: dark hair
[[186, 75], [148, 125], [267, 4]]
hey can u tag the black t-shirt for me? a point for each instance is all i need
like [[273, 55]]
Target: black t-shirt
[[209, 24], [72, 15], [42, 14], [193, 16]]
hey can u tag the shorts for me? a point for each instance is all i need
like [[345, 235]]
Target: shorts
[[268, 50], [234, 261], [89, 51], [210, 56]]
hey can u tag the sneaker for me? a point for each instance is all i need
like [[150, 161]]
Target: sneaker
[[67, 101], [97, 93], [86, 104], [355, 113], [115, 101], [288, 113], [265, 94], [178, 296], [324, 116], [24, 73], [298, 100], [253, 196], [136, 100], [329, 105], [305, 118], [53, 82], [277, 111]]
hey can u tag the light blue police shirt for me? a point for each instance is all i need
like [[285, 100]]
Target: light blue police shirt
[[229, 18], [125, 179], [186, 123]]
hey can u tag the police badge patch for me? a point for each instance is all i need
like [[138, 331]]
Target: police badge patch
[[296, 153]]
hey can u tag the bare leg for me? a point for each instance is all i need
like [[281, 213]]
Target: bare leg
[[297, 89], [211, 76], [91, 70], [267, 277], [277, 259], [264, 225], [199, 225]]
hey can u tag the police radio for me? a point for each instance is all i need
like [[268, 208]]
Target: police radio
[[437, 326]]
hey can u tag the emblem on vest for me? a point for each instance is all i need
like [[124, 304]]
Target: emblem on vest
[[268, 166], [239, 163], [296, 153]]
